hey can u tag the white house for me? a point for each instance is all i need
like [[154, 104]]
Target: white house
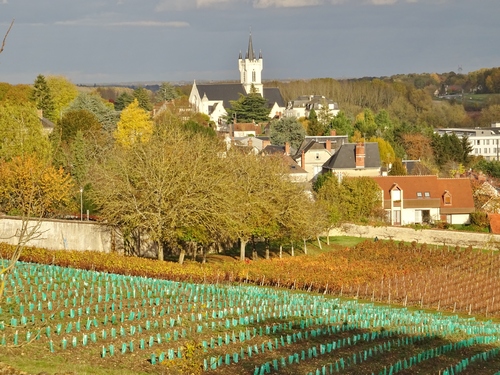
[[302, 106], [426, 199]]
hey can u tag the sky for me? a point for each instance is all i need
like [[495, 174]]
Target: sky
[[118, 41]]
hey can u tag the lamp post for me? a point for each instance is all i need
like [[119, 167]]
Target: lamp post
[[81, 204]]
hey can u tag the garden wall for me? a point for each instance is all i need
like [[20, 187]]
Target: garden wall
[[62, 235], [429, 236]]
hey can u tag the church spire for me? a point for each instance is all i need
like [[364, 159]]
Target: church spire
[[250, 53]]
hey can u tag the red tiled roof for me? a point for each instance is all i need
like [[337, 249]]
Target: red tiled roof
[[461, 195], [494, 223], [459, 188]]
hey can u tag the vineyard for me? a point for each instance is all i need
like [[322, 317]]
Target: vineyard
[[283, 316]]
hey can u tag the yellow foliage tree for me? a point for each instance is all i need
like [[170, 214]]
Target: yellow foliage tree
[[387, 154], [63, 93], [31, 187], [135, 126]]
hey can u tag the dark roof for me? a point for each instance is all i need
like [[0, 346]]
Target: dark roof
[[231, 91], [222, 91], [273, 95], [319, 142], [345, 157], [47, 124], [273, 149], [415, 167]]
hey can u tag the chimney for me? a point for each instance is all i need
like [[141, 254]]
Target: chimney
[[328, 145], [333, 132], [303, 160], [250, 143], [287, 148], [360, 155], [265, 143]]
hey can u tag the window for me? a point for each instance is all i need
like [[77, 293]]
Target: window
[[419, 194], [485, 150], [253, 76], [317, 156], [447, 198], [396, 195], [487, 142], [427, 194]]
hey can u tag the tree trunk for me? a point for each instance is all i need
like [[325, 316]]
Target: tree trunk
[[182, 255], [293, 250], [328, 238], [160, 251], [305, 246], [267, 248], [254, 249], [195, 250], [243, 244], [281, 250], [319, 244]]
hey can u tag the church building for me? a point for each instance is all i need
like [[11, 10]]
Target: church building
[[213, 99]]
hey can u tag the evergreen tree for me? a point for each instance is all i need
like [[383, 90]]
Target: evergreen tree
[[143, 98], [104, 112], [342, 124], [123, 100], [398, 169], [252, 107], [287, 129], [166, 92], [42, 97], [314, 127]]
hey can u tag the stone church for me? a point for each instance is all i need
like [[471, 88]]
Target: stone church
[[213, 99]]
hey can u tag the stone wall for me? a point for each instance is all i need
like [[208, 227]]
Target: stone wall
[[62, 235], [429, 236]]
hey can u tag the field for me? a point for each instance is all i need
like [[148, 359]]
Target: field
[[77, 316]]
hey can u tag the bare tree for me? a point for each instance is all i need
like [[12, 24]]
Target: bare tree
[[5, 36]]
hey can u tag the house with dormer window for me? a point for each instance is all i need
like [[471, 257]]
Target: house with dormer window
[[426, 199]]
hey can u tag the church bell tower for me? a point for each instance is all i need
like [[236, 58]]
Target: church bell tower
[[251, 69]]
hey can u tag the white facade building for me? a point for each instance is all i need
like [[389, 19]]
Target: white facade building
[[484, 141]]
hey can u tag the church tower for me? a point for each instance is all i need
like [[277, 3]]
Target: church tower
[[251, 69]]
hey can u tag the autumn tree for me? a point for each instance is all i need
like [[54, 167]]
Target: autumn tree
[[30, 186], [135, 126], [32, 189], [21, 132], [365, 123], [63, 93], [417, 146], [386, 152], [173, 189], [353, 199], [41, 95], [287, 129]]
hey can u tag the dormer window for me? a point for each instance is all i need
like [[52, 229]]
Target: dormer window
[[396, 195], [419, 194], [427, 194], [447, 198]]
